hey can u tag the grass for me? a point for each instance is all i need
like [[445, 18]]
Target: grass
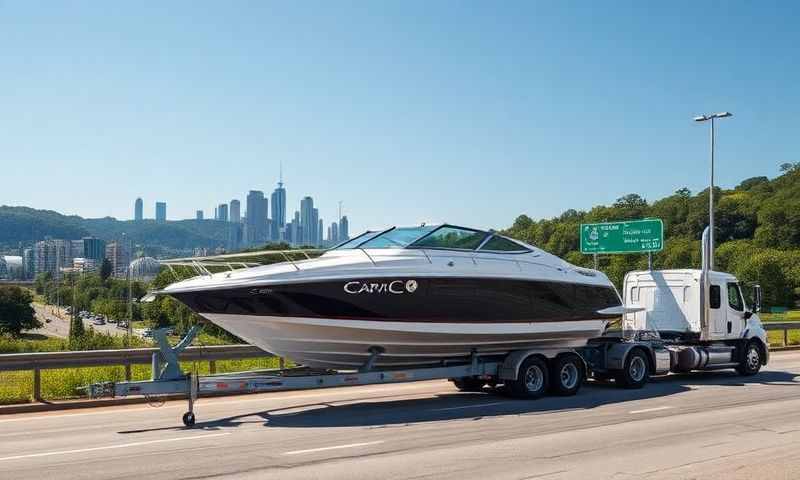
[[65, 383], [776, 336]]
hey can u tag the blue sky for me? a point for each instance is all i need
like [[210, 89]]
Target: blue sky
[[468, 112]]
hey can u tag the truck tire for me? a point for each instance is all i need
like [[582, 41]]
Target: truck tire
[[634, 373], [532, 379], [468, 384], [566, 374], [750, 362]]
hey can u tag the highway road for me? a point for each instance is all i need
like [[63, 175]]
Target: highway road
[[710, 425], [58, 326]]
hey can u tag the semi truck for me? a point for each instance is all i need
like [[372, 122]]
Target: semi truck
[[671, 321]]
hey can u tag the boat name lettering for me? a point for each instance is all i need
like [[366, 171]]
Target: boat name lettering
[[260, 291], [395, 287]]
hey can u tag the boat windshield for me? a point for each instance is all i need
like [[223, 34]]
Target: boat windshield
[[399, 237], [452, 238], [353, 242], [447, 237]]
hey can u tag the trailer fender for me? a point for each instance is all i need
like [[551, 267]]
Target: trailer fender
[[510, 366]]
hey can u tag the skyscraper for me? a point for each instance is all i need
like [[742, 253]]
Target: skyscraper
[[278, 211], [256, 219], [333, 233], [94, 248], [307, 221], [138, 210], [320, 229], [161, 212], [236, 216], [222, 212], [344, 229], [199, 215]]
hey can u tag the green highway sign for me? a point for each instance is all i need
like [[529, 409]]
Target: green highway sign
[[636, 236]]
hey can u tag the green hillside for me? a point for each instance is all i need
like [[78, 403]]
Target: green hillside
[[28, 225], [758, 232]]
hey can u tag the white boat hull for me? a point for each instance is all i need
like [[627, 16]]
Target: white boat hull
[[345, 344]]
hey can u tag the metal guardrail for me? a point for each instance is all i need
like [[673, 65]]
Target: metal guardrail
[[143, 356], [136, 356], [785, 326]]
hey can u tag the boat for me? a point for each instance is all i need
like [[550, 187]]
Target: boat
[[407, 296]]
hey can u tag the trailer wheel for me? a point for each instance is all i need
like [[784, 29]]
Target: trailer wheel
[[468, 384], [566, 374], [635, 372], [750, 363], [532, 379], [188, 419]]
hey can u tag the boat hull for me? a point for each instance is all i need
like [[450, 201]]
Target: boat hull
[[414, 320], [343, 344]]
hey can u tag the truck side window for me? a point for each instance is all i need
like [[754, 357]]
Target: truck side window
[[735, 298], [715, 296]]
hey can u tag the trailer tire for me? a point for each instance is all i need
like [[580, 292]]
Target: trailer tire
[[750, 362], [635, 372], [468, 384], [188, 419], [532, 379], [566, 374]]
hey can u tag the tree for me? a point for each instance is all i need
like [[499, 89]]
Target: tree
[[16, 313], [789, 167], [105, 270]]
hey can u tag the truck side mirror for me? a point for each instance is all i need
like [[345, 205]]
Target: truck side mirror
[[757, 295]]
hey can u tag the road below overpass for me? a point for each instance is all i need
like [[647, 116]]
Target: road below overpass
[[710, 425]]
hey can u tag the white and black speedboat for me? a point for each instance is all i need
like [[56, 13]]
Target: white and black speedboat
[[417, 295]]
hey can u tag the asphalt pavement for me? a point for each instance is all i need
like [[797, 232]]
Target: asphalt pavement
[[708, 425]]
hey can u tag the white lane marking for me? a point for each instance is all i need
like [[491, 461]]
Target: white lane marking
[[272, 396], [111, 447], [654, 409], [335, 447], [467, 406]]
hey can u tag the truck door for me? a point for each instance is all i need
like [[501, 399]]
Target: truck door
[[735, 310], [719, 318]]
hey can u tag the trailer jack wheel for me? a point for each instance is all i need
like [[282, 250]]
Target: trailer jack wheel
[[188, 419]]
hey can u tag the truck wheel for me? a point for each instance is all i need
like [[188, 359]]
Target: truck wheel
[[750, 363], [566, 374], [468, 384], [634, 373], [532, 379]]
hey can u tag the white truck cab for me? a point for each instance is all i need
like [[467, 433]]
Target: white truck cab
[[672, 303]]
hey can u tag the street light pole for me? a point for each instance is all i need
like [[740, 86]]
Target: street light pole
[[704, 118]]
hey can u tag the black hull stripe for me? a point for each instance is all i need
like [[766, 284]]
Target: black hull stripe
[[430, 300]]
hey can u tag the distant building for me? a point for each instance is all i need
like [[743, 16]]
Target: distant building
[[93, 249], [256, 219], [119, 256], [12, 267], [320, 229], [344, 229], [278, 212], [199, 215], [161, 212], [28, 264], [51, 255], [235, 236], [333, 233], [85, 265], [222, 212], [236, 217], [138, 210]]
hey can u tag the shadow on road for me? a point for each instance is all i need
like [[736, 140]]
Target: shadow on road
[[379, 411]]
